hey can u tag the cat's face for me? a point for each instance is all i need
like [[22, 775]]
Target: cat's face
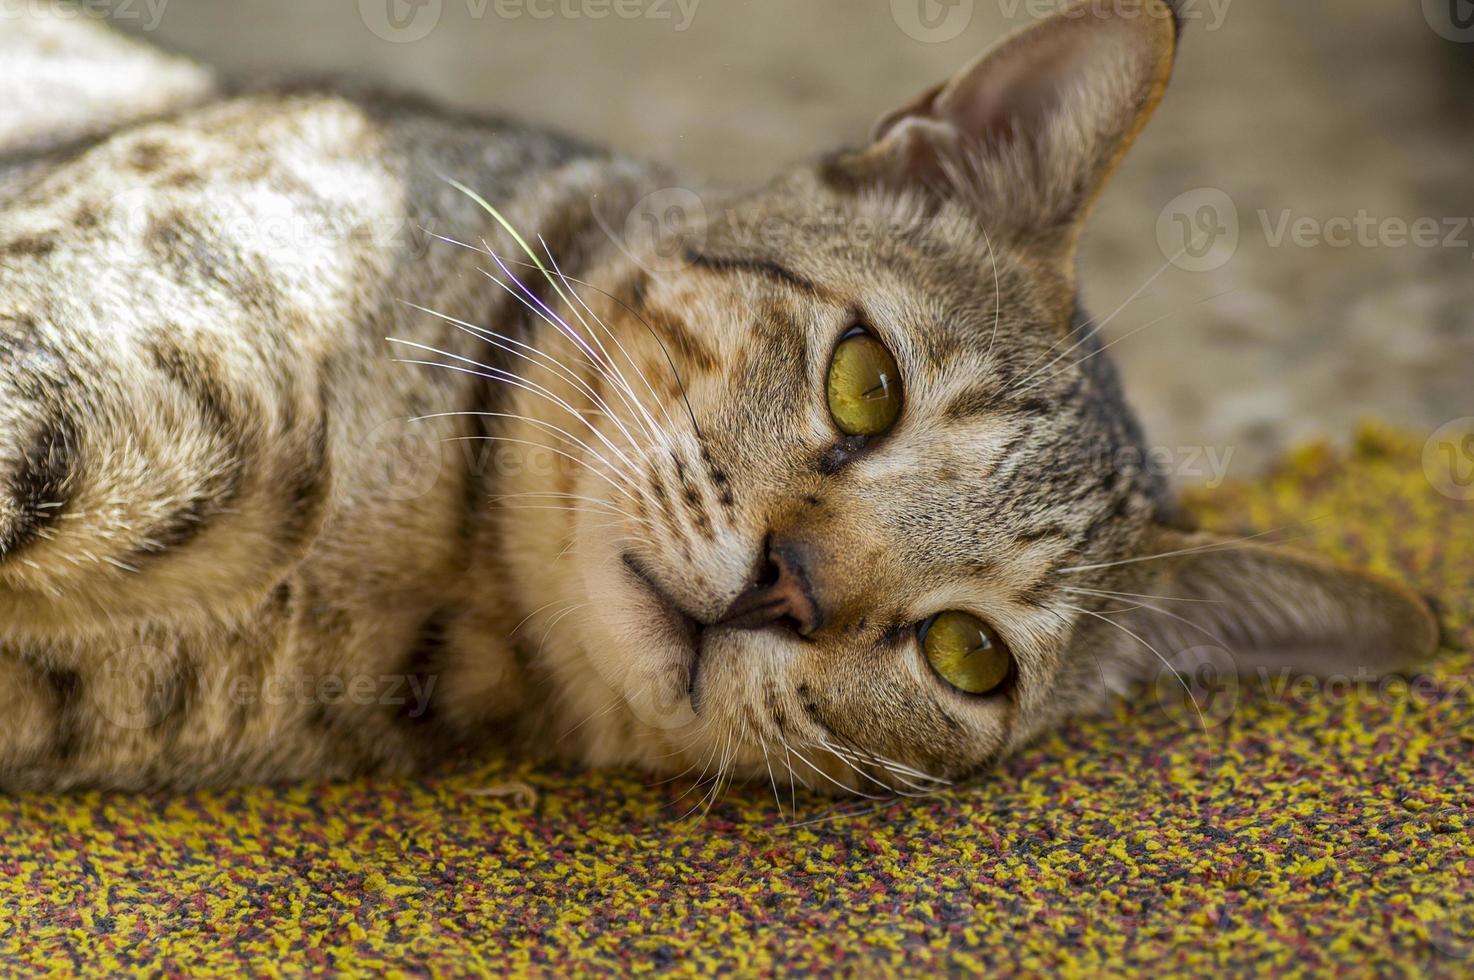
[[863, 530], [891, 430]]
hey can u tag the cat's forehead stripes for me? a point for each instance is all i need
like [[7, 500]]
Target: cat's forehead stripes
[[769, 267], [794, 319]]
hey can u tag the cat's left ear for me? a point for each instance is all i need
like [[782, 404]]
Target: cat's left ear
[[1273, 608], [1032, 129]]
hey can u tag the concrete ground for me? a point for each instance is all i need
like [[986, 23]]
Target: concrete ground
[[1306, 143]]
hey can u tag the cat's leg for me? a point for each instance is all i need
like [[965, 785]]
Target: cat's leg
[[158, 475], [201, 578], [275, 697]]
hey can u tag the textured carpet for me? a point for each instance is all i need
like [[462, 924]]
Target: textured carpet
[[1327, 830]]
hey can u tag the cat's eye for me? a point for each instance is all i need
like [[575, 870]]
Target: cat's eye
[[965, 652], [864, 386]]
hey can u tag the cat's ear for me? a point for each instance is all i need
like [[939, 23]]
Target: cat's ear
[[1031, 130], [1272, 608]]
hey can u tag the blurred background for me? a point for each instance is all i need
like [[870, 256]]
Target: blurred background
[[1288, 249]]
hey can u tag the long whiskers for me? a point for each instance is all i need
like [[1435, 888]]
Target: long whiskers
[[1225, 545], [562, 434], [501, 374], [536, 261], [603, 365], [1142, 604], [526, 442], [537, 357], [680, 383], [1090, 327], [1024, 387], [675, 372]]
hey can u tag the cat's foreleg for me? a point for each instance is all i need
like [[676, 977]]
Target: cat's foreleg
[[144, 477]]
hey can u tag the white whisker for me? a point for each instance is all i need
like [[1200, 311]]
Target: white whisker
[[1020, 392], [556, 430], [516, 380], [543, 359], [1086, 331], [1181, 619], [831, 779], [546, 448], [612, 336], [1210, 546], [1165, 662]]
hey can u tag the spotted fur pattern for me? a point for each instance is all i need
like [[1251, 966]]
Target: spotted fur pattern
[[309, 468]]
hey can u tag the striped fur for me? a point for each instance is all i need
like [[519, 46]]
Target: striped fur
[[242, 539]]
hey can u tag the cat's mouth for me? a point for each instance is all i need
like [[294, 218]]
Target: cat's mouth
[[683, 626]]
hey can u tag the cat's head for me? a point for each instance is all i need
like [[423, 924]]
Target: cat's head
[[895, 521]]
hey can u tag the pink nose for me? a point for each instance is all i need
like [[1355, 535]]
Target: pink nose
[[781, 595]]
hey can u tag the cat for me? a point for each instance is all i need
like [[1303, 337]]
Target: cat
[[341, 433]]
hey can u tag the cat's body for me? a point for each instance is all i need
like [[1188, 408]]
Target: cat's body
[[241, 540], [278, 515]]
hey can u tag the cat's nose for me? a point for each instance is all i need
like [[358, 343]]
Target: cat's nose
[[782, 594]]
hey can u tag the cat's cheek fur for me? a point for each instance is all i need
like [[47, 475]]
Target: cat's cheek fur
[[627, 644]]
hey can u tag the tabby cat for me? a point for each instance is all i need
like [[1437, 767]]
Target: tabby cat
[[340, 433]]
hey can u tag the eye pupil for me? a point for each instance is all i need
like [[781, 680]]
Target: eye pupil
[[966, 652], [864, 386]]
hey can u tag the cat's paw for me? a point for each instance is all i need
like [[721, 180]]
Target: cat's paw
[[36, 470]]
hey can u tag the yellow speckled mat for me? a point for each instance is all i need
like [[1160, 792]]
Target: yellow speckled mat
[[1326, 829]]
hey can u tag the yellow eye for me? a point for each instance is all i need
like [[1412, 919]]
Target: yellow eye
[[966, 652], [864, 386]]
